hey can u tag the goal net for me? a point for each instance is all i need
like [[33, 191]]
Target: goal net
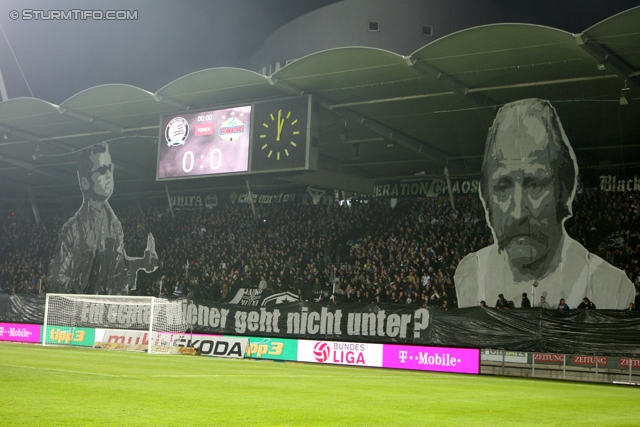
[[113, 322]]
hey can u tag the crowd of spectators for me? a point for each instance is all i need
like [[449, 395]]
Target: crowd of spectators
[[356, 252], [25, 251]]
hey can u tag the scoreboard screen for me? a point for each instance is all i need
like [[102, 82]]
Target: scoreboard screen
[[204, 143], [278, 135]]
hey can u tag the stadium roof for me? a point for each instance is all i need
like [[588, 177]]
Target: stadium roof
[[405, 115]]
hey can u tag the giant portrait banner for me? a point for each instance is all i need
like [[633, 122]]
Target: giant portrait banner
[[588, 332], [528, 183]]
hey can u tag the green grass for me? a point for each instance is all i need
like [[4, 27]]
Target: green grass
[[52, 386]]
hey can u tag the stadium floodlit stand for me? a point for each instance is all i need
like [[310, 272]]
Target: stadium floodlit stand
[[363, 252]]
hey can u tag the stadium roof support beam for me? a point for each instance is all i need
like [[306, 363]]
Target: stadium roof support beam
[[392, 135], [476, 90], [102, 124], [20, 133], [451, 82], [174, 103], [388, 133], [30, 167], [99, 123], [610, 59]]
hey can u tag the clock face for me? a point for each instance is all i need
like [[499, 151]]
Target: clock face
[[280, 135]]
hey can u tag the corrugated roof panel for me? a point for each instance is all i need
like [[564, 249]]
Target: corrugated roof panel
[[384, 92], [627, 22], [66, 126], [605, 87], [26, 109], [620, 33], [506, 54], [527, 74], [340, 60], [507, 40], [413, 107], [106, 95], [219, 86], [121, 105], [346, 69], [39, 118]]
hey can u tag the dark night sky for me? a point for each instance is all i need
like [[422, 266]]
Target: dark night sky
[[171, 38]]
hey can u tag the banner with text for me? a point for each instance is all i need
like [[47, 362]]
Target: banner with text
[[340, 353], [20, 332], [423, 188], [618, 184], [438, 359], [272, 348], [65, 335], [614, 333]]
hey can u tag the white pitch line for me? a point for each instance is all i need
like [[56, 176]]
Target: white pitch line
[[275, 376], [66, 371], [201, 375]]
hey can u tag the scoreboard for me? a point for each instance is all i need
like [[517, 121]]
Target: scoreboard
[[271, 136]]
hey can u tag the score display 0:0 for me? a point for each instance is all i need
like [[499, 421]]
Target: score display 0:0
[[188, 157]]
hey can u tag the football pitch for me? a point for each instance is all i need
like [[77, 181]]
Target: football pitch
[[53, 386]]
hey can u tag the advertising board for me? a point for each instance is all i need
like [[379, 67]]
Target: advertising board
[[340, 353], [590, 360], [212, 345], [509, 356], [20, 332], [82, 337], [439, 359], [548, 358], [272, 348], [122, 340]]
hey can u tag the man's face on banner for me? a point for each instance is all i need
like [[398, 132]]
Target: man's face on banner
[[101, 176], [521, 187]]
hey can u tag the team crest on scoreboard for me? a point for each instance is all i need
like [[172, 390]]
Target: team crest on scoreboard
[[231, 129], [176, 132]]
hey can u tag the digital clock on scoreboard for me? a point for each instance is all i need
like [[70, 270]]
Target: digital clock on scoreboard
[[204, 143]]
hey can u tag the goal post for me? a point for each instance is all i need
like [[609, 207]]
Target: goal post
[[122, 322]]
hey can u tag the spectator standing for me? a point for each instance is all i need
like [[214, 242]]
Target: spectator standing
[[587, 304], [543, 303], [502, 303]]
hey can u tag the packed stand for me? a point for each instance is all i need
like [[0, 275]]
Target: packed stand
[[366, 252]]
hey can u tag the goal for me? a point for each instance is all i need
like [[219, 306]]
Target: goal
[[113, 322]]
